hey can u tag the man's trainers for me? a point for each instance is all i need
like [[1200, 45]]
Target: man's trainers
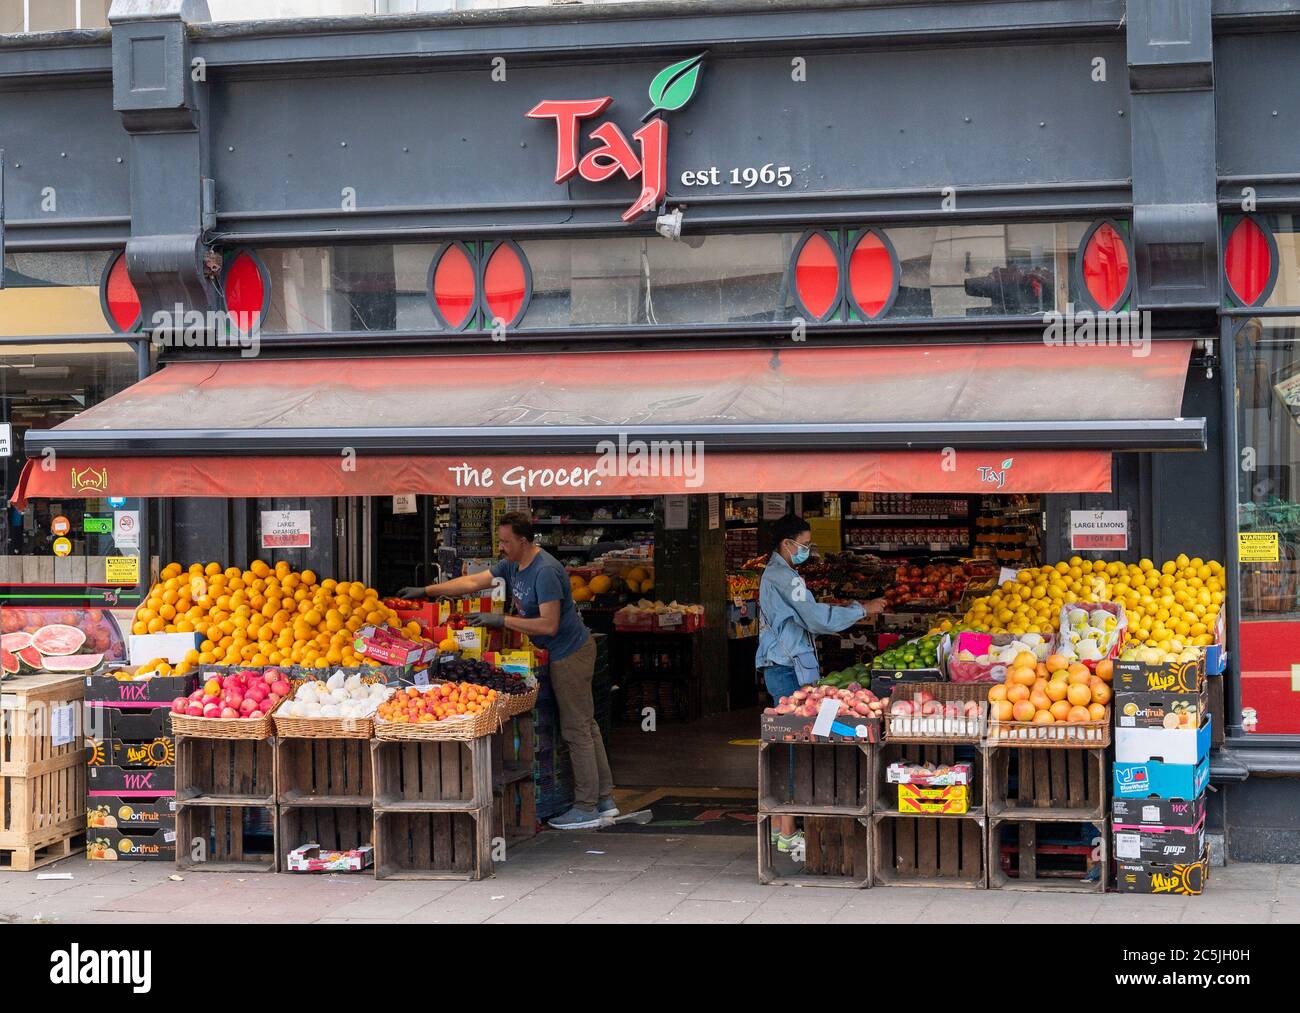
[[576, 819], [790, 844], [607, 809]]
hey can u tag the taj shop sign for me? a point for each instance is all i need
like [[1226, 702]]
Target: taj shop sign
[[670, 90]]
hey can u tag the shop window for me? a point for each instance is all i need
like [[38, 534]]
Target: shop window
[[872, 275], [1249, 260], [53, 293], [817, 275], [1268, 433], [246, 290], [453, 286], [1104, 266], [121, 302], [41, 386]]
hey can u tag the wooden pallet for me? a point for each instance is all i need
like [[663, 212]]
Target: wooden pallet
[[823, 778], [435, 776], [211, 838], [323, 772], [30, 857], [514, 750], [837, 853], [1050, 784], [32, 709], [433, 845], [514, 812], [224, 771], [1029, 859], [947, 851]]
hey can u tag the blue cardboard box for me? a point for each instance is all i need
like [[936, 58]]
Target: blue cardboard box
[[1162, 780]]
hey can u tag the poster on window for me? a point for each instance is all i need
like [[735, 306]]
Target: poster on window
[[286, 529]]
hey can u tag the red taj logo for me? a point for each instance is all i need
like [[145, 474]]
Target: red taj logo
[[671, 89]]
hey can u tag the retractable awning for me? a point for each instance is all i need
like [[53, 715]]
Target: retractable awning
[[949, 418]]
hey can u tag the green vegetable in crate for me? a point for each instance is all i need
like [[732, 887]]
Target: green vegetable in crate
[[842, 679], [912, 655]]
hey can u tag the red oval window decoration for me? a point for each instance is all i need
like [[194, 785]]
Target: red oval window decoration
[[817, 276], [1106, 266], [506, 283], [872, 278], [246, 291], [1248, 262], [118, 296], [452, 285]]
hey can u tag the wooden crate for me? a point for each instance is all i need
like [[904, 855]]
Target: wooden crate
[[334, 828], [1027, 860], [824, 778], [886, 794], [323, 772], [514, 811], [216, 838], [837, 853], [433, 845], [439, 775], [42, 785], [1048, 783], [225, 771], [514, 750], [929, 851], [32, 708]]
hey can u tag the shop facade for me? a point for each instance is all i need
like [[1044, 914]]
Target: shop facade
[[430, 216]]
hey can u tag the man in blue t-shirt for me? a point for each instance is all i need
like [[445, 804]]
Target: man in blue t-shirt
[[538, 587]]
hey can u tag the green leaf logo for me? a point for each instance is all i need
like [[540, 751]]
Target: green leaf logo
[[1007, 463], [674, 86]]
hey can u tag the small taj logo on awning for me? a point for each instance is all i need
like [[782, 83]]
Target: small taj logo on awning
[[90, 480]]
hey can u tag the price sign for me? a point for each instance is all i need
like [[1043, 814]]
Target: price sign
[[1099, 530], [286, 529]]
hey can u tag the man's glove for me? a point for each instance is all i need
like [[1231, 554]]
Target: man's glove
[[491, 620], [410, 593]]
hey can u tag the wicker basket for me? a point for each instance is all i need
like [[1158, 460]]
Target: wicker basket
[[325, 728], [223, 728], [468, 726], [513, 704]]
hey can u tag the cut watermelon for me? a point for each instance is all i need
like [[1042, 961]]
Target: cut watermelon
[[30, 657], [15, 641], [58, 640], [9, 662], [73, 662]]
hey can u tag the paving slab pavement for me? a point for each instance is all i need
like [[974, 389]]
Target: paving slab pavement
[[604, 878]]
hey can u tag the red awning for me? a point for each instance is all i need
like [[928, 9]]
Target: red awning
[[941, 418], [1032, 471]]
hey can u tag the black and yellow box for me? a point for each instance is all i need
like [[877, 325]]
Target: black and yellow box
[[953, 798], [131, 846]]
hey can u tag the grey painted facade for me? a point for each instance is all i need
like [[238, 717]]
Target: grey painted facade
[[169, 136]]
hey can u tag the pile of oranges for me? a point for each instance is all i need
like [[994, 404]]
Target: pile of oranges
[[1171, 606], [436, 703], [264, 615], [1044, 692]]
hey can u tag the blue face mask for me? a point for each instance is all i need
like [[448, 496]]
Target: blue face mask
[[800, 554]]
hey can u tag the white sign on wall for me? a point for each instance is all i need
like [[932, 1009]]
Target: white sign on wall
[[404, 503], [6, 440], [1098, 530], [126, 529], [286, 529]]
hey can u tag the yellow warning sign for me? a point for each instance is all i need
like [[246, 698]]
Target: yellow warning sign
[[1257, 546], [122, 570]]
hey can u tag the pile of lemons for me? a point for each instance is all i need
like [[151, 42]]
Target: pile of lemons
[[264, 615], [1171, 606]]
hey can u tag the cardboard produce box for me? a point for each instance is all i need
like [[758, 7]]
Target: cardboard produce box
[[113, 812], [1168, 745], [1167, 846], [142, 693], [131, 783], [1157, 813], [1161, 710], [108, 721], [955, 798], [1167, 677], [120, 845], [310, 858], [792, 728], [1187, 879], [1161, 780]]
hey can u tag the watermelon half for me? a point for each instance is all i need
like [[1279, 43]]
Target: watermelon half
[[73, 662], [58, 640], [11, 642], [30, 657]]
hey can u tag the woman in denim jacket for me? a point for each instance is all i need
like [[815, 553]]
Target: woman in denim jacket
[[789, 619]]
